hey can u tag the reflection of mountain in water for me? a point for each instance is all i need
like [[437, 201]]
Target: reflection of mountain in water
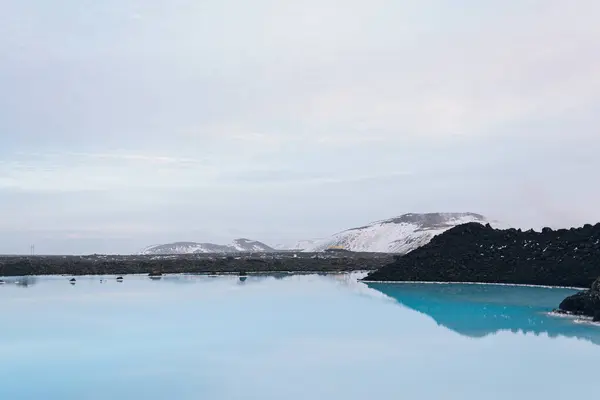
[[480, 310]]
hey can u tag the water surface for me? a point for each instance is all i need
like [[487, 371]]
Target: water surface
[[293, 337]]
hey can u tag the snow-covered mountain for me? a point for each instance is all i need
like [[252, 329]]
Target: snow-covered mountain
[[396, 235], [247, 245], [237, 246]]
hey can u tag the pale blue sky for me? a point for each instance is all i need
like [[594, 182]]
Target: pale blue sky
[[127, 123]]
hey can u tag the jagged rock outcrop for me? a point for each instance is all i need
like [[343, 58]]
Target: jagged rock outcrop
[[585, 303], [476, 253]]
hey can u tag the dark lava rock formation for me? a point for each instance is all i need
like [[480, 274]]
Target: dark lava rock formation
[[585, 303], [191, 263], [476, 253]]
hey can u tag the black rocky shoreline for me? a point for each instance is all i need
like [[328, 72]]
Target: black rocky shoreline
[[11, 266], [481, 254]]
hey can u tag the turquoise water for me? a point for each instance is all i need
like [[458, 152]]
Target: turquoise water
[[293, 337]]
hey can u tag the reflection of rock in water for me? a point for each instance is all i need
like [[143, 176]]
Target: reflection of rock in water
[[179, 279], [26, 281], [21, 281], [480, 310]]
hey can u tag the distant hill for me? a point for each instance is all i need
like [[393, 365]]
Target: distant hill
[[299, 246], [237, 246], [395, 235]]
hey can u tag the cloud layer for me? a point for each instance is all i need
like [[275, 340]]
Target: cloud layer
[[124, 123]]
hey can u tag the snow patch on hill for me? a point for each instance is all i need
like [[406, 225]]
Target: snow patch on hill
[[299, 245], [396, 235], [237, 246]]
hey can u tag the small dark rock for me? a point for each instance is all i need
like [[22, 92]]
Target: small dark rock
[[155, 275]]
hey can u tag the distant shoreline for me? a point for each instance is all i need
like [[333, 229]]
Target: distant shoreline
[[476, 283], [192, 264], [235, 274], [301, 272]]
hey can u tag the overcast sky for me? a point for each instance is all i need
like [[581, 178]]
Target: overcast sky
[[125, 123]]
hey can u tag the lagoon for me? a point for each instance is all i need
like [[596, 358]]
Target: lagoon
[[288, 336]]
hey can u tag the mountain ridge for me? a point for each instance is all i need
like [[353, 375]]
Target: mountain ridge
[[400, 234], [241, 245]]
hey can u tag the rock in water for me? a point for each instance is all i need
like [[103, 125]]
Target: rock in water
[[155, 274], [584, 303], [596, 285]]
